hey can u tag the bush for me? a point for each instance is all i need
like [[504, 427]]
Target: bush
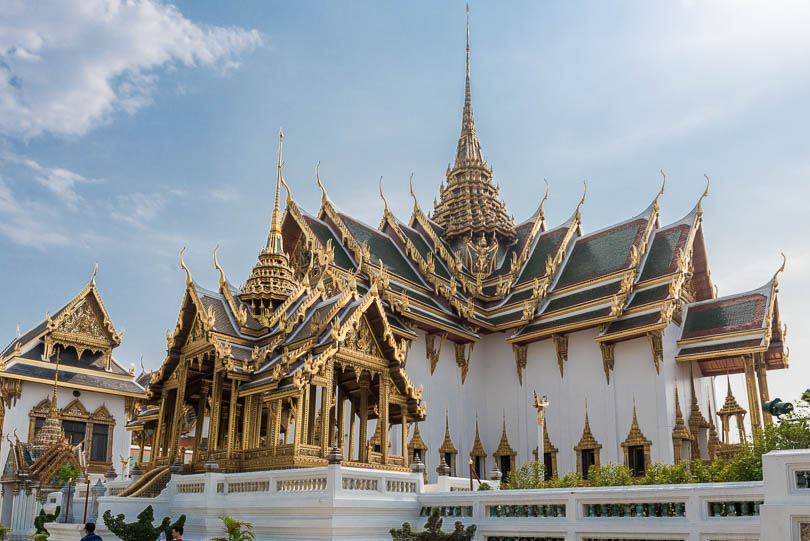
[[142, 529], [791, 431], [611, 475], [42, 518], [433, 531], [484, 486]]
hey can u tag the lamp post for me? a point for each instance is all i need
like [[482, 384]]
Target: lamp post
[[540, 406]]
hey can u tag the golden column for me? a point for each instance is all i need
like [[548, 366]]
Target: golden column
[[179, 402], [383, 417], [754, 407], [762, 379], [232, 416], [365, 383], [215, 413], [200, 421]]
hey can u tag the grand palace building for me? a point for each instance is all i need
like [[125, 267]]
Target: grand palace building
[[426, 338]]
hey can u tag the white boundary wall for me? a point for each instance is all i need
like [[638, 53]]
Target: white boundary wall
[[357, 504]]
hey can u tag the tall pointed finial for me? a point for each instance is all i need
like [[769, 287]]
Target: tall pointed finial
[[18, 329], [780, 269], [93, 278], [545, 196], [222, 280], [661, 191], [705, 193], [183, 265], [467, 122], [415, 202], [274, 242], [383, 197], [324, 197], [577, 213]]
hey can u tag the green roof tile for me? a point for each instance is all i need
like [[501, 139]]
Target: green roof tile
[[601, 254], [536, 264], [646, 296], [721, 347], [633, 323], [581, 297], [659, 260], [717, 317], [382, 249], [424, 250], [324, 234], [586, 316]]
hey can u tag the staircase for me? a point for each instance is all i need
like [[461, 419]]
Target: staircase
[[149, 485]]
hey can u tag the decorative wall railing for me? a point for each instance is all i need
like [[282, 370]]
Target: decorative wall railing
[[662, 512]]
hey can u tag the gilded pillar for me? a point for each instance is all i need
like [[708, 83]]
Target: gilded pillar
[[384, 388], [403, 410], [156, 451], [278, 407], [762, 379], [179, 402], [311, 414], [247, 425], [299, 422], [754, 407], [352, 422], [232, 416], [363, 439], [341, 404], [141, 443], [215, 412], [326, 417], [303, 404], [200, 421]]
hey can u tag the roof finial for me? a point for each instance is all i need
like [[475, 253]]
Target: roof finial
[[780, 269], [415, 202], [222, 280], [274, 241], [545, 196], [383, 197], [93, 278], [143, 369], [661, 192], [324, 197], [705, 193], [18, 329], [581, 201], [183, 265], [467, 121]]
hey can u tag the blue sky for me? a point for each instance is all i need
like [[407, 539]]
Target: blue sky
[[128, 131]]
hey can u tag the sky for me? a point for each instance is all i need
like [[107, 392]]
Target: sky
[[129, 130]]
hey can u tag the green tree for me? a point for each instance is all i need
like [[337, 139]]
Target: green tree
[[141, 529], [433, 531], [236, 530]]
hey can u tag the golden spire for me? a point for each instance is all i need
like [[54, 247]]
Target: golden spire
[[780, 269], [51, 432], [383, 197], [274, 241], [679, 430], [705, 193], [54, 410]]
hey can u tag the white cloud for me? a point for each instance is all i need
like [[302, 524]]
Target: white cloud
[[65, 67], [59, 181], [138, 209], [23, 223]]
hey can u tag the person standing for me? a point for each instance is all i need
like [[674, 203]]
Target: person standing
[[177, 533], [90, 532]]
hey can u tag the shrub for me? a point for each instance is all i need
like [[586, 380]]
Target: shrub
[[142, 529], [433, 531], [610, 475], [42, 518], [484, 486]]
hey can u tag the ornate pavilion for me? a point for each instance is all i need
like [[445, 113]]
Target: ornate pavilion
[[310, 353]]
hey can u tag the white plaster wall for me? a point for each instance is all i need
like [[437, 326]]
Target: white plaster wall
[[492, 388], [32, 394]]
